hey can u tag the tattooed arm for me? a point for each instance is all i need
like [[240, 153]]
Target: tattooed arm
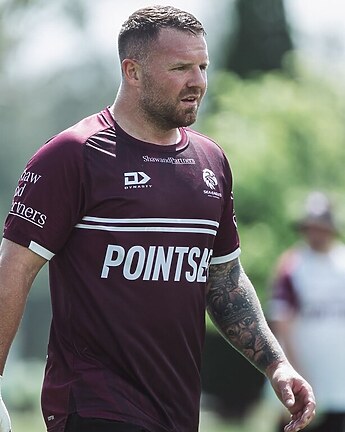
[[235, 309]]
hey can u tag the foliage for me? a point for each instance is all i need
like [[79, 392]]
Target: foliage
[[283, 137], [262, 37]]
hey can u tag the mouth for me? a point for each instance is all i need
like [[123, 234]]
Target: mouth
[[191, 100]]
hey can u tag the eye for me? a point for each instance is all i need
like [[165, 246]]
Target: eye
[[180, 68]]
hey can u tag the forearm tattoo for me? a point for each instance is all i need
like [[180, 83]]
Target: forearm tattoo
[[234, 308]]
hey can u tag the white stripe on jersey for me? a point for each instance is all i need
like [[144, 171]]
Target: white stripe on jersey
[[153, 220], [41, 251], [147, 229], [226, 258], [101, 150], [144, 225]]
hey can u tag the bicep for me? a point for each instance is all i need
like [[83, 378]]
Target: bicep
[[18, 266], [225, 290], [223, 276]]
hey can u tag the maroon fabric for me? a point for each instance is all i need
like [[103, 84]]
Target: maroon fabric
[[132, 226], [283, 288]]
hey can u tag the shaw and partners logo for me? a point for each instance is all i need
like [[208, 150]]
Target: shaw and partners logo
[[211, 182], [153, 263], [136, 180], [23, 209], [169, 160]]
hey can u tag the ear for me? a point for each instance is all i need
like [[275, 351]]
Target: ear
[[131, 71]]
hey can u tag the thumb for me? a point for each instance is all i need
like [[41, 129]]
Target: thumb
[[288, 397]]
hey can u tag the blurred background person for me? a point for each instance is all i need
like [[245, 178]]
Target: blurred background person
[[307, 310]]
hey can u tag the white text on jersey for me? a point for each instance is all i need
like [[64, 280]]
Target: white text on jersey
[[172, 263]]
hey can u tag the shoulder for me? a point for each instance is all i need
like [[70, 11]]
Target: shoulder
[[70, 142], [289, 260], [79, 133], [206, 141], [210, 150]]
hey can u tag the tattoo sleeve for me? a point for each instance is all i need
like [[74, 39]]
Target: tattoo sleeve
[[234, 308]]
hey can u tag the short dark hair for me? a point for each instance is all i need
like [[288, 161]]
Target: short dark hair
[[143, 26]]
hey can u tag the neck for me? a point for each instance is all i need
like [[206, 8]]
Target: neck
[[131, 120]]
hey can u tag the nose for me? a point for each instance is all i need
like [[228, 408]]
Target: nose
[[197, 78]]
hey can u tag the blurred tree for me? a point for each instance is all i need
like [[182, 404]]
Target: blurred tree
[[283, 138], [262, 38]]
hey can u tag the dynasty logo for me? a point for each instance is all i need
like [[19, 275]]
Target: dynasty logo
[[136, 180]]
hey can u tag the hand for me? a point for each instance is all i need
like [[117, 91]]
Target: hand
[[295, 393], [5, 422]]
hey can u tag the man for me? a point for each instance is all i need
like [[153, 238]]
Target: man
[[131, 208], [308, 310]]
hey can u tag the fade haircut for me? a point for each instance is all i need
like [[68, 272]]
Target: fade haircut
[[143, 26]]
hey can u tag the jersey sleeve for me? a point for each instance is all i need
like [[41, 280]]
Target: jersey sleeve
[[227, 243], [49, 198]]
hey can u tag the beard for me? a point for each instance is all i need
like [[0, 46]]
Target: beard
[[167, 114]]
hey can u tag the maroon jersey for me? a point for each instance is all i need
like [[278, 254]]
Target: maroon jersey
[[130, 229]]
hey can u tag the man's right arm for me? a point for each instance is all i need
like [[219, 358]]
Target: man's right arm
[[18, 268]]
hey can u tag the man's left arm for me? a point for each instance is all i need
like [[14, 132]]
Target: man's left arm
[[235, 309]]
